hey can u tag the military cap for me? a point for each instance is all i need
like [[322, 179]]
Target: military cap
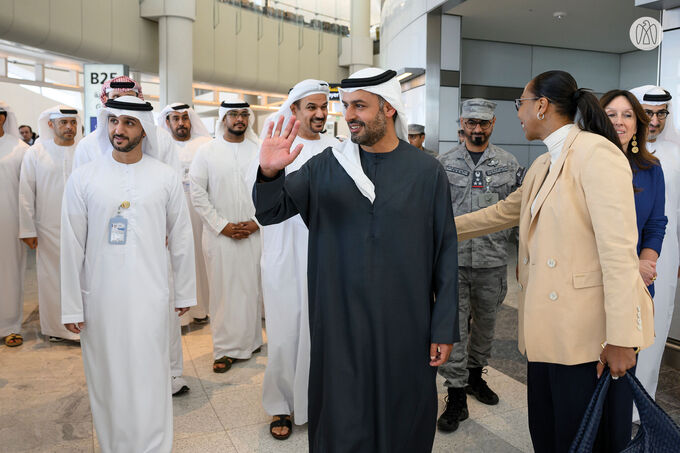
[[478, 108], [416, 129]]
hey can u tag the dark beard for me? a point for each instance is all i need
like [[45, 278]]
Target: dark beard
[[236, 133], [181, 132], [373, 132], [477, 140], [132, 144]]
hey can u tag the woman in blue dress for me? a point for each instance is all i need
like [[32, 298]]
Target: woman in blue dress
[[630, 122]]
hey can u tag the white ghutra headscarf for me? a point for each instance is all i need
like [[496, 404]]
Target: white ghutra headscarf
[[61, 111], [136, 108], [197, 126], [11, 125], [300, 90], [655, 95], [229, 106], [382, 83]]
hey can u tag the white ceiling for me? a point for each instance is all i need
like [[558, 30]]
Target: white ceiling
[[601, 25]]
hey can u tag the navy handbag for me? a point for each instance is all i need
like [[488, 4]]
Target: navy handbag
[[657, 434]]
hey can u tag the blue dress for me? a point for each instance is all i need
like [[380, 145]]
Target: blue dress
[[649, 208]]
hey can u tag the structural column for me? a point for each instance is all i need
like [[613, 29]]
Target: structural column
[[360, 36], [175, 47]]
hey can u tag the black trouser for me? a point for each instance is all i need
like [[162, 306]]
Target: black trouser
[[558, 396]]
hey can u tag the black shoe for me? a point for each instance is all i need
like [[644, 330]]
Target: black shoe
[[478, 388], [456, 410], [201, 321]]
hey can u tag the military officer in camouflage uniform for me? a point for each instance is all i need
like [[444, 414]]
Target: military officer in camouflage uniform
[[480, 174], [416, 137]]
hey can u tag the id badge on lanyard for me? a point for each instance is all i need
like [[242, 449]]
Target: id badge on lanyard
[[118, 226], [186, 182]]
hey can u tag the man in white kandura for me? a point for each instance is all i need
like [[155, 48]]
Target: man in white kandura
[[167, 152], [660, 141], [118, 213], [88, 149], [45, 168], [13, 256], [284, 272], [188, 132], [231, 240]]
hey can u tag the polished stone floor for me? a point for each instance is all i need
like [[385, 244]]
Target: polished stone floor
[[44, 405]]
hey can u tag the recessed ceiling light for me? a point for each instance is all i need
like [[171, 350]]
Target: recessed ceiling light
[[559, 15]]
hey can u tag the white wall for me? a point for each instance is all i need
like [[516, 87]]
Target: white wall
[[638, 68], [26, 104], [495, 63], [414, 105], [498, 64], [406, 49], [404, 43], [397, 14]]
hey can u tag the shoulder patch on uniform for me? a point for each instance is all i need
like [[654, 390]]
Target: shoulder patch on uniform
[[459, 171], [521, 173], [495, 171]]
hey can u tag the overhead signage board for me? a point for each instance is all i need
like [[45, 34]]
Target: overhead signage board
[[94, 76]]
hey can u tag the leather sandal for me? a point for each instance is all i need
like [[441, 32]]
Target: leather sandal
[[227, 361], [13, 340], [282, 421]]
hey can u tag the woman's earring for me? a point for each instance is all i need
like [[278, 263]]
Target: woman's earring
[[540, 115], [634, 147]]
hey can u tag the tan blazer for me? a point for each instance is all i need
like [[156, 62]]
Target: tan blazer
[[578, 265]]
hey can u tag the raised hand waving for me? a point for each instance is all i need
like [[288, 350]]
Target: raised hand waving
[[275, 152]]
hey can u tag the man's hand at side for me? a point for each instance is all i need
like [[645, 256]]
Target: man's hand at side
[[439, 353]]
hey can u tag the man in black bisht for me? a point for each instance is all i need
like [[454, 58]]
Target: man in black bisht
[[382, 247]]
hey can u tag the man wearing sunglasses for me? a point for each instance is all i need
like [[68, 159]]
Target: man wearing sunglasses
[[480, 174]]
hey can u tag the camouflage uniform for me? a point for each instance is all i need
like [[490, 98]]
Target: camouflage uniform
[[431, 153], [482, 261]]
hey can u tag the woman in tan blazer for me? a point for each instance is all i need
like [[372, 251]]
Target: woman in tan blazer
[[582, 302]]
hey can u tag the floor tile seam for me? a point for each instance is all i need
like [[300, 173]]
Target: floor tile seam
[[494, 427], [212, 406], [514, 440], [94, 434], [509, 377], [196, 435], [33, 315], [472, 442], [32, 420], [492, 412], [195, 368], [231, 440], [235, 388], [250, 425]]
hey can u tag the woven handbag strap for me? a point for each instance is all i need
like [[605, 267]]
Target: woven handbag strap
[[661, 432], [587, 432]]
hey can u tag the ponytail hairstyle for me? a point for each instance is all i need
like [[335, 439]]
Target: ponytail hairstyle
[[643, 159], [580, 104]]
